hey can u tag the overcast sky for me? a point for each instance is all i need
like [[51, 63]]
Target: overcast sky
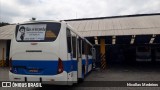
[[16, 11]]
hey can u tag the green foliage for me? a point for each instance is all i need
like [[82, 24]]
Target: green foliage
[[3, 24]]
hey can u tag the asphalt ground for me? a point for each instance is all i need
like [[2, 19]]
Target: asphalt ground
[[113, 78]]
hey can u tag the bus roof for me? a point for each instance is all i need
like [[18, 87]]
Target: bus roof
[[40, 21]]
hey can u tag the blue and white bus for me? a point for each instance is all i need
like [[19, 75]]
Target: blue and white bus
[[49, 51]]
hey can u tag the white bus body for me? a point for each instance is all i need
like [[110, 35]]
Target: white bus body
[[50, 52]]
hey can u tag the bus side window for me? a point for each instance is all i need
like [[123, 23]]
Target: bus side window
[[80, 47], [69, 40], [74, 44], [83, 47], [90, 50]]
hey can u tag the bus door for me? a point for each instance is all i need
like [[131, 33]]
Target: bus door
[[79, 57], [72, 49], [74, 56]]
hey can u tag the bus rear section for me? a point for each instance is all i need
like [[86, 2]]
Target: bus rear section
[[36, 54]]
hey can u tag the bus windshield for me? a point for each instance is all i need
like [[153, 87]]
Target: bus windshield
[[37, 32]]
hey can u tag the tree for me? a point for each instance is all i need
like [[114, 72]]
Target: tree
[[3, 24]]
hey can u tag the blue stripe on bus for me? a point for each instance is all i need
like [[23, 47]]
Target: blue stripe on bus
[[45, 67], [84, 61]]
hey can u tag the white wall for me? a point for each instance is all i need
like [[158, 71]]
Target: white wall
[[3, 44]]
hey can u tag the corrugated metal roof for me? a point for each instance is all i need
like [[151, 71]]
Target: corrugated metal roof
[[139, 25], [106, 26], [6, 32]]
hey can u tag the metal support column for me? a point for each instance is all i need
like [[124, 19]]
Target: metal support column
[[3, 62], [102, 51]]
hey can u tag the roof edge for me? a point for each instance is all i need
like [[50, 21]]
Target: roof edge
[[122, 16]]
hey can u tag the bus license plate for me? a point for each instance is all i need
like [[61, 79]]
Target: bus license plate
[[33, 70]]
